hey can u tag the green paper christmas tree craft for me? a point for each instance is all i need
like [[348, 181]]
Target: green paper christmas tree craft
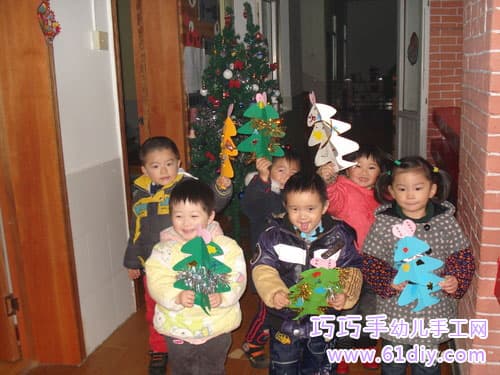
[[264, 129], [309, 296], [201, 272]]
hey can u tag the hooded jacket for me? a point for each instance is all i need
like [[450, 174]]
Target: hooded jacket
[[272, 274], [193, 324]]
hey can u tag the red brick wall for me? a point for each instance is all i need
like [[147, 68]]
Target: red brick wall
[[445, 59], [479, 181]]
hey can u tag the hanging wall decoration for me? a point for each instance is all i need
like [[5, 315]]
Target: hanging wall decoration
[[46, 17]]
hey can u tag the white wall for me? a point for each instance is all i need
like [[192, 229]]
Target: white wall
[[90, 130]]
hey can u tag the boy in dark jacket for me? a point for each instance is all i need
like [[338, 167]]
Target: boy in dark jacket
[[284, 251], [262, 200], [160, 161]]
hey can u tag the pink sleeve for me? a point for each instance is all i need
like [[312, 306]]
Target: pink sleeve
[[337, 198]]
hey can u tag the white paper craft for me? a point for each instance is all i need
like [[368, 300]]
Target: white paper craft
[[325, 132]]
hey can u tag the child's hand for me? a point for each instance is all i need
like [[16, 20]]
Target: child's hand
[[449, 284], [399, 287], [133, 274], [280, 300], [215, 299], [223, 182], [337, 301], [328, 172], [263, 168], [185, 298]]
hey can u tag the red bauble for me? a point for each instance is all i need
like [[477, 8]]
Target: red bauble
[[225, 95], [273, 66], [258, 36], [209, 156], [234, 83], [238, 65], [216, 103]]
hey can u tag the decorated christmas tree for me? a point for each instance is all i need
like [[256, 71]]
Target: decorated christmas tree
[[236, 72]]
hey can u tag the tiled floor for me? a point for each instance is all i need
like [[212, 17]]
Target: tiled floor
[[125, 352]]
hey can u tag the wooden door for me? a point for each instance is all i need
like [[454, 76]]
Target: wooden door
[[34, 206], [161, 102], [411, 115], [9, 349]]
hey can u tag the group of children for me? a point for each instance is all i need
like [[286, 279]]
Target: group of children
[[299, 219]]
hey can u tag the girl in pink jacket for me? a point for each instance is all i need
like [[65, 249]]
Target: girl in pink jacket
[[351, 195]]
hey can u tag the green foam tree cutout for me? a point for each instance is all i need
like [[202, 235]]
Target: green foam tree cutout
[[201, 272], [264, 129], [309, 296]]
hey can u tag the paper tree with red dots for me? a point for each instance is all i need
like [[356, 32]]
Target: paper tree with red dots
[[310, 295]]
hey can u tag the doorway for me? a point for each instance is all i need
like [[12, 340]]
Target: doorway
[[361, 57]]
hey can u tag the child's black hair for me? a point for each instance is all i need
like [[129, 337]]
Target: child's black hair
[[435, 175], [382, 158], [290, 156], [157, 143], [303, 181], [193, 191]]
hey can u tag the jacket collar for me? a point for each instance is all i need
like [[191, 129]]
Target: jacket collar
[[432, 210]]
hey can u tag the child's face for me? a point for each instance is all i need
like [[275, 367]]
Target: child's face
[[189, 217], [364, 174], [282, 169], [305, 209], [412, 190], [161, 166]]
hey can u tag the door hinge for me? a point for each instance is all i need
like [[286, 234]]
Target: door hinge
[[11, 304]]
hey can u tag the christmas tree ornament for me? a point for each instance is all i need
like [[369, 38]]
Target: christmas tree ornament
[[415, 267], [228, 74], [264, 128], [203, 92], [234, 84], [228, 20], [326, 133], [255, 87], [238, 65], [310, 295], [228, 149], [231, 66], [201, 272]]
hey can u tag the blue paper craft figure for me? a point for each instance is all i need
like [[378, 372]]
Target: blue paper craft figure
[[415, 266]]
